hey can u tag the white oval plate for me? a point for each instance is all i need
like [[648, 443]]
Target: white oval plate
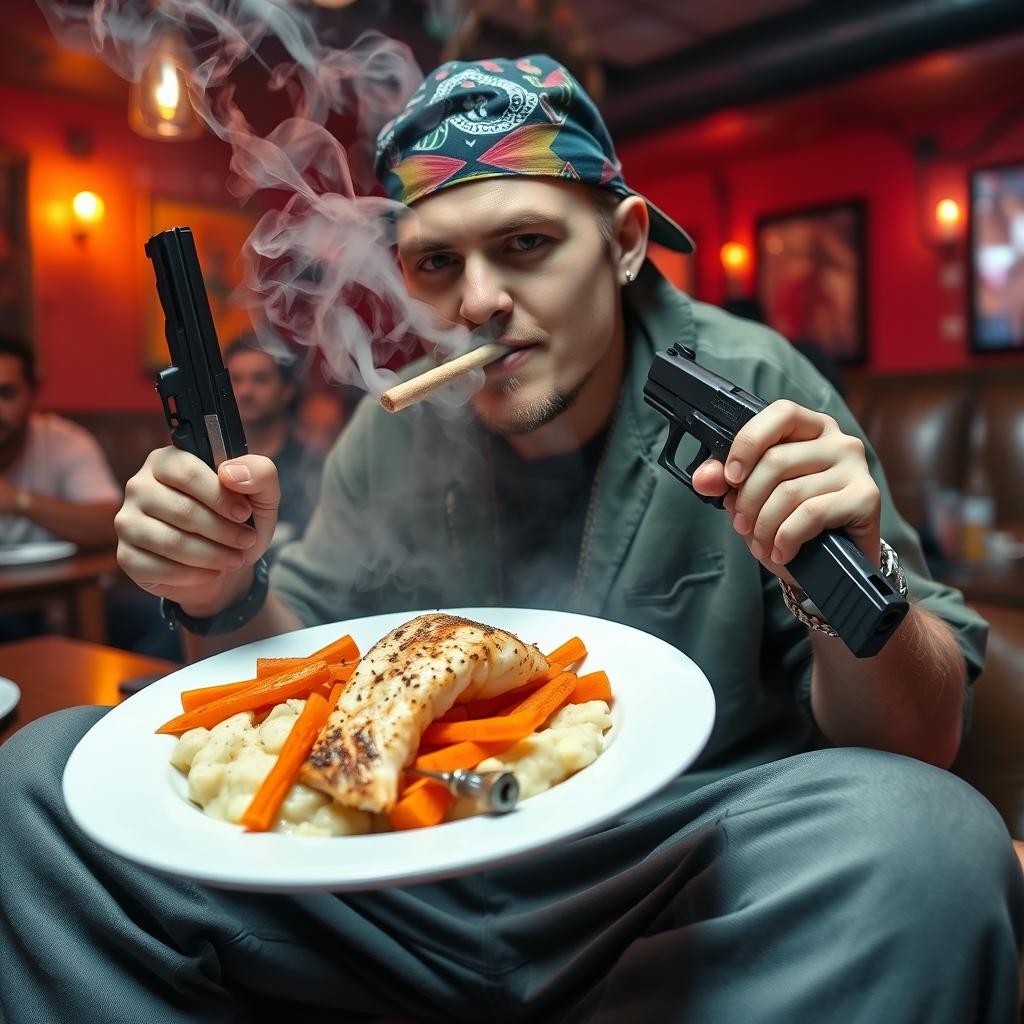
[[36, 551], [123, 793], [10, 694]]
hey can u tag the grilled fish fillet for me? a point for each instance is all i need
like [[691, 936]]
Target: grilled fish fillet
[[406, 680]]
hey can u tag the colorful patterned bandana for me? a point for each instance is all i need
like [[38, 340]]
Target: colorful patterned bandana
[[504, 118]]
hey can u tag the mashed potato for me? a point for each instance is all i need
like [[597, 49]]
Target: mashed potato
[[225, 766], [572, 739]]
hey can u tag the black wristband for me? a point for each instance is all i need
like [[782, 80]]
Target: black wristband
[[229, 619]]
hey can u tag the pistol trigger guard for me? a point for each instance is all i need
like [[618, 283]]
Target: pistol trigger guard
[[698, 460], [667, 458]]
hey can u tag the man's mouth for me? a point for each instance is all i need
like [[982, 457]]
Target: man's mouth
[[519, 353]]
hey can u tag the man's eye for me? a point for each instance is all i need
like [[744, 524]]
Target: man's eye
[[527, 243], [435, 261]]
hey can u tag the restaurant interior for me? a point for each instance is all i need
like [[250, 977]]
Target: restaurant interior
[[852, 175]]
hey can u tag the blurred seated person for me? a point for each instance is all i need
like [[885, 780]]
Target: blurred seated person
[[265, 392], [320, 419], [55, 482]]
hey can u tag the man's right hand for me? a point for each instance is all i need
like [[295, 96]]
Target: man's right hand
[[182, 530]]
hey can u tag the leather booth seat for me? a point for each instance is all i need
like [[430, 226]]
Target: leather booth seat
[[930, 432]]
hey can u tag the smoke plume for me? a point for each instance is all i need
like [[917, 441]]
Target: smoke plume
[[319, 272]]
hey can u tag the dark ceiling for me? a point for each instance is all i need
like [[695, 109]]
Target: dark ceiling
[[663, 61]]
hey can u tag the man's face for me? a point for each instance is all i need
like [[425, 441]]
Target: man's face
[[15, 399], [529, 255], [260, 391]]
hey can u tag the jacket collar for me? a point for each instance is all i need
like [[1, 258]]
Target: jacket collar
[[656, 315]]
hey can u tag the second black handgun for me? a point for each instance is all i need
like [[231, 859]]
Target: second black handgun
[[198, 401], [858, 602]]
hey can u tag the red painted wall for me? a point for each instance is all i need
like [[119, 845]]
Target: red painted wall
[[913, 309], [89, 297]]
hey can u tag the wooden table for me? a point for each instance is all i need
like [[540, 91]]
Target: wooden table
[[75, 581], [56, 672]]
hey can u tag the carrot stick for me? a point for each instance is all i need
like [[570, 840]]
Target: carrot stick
[[343, 649], [425, 802], [460, 755], [569, 653], [259, 816], [266, 667], [593, 686], [558, 660], [192, 699], [487, 707], [271, 666], [528, 715], [272, 690]]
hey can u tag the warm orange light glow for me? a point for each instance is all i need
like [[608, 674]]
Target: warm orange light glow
[[167, 91], [735, 256], [158, 102], [88, 208], [947, 213]]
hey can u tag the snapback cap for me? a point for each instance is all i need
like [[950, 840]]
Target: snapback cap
[[524, 117]]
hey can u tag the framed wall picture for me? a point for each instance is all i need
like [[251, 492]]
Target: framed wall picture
[[15, 257], [219, 234], [679, 268], [997, 259], [811, 278]]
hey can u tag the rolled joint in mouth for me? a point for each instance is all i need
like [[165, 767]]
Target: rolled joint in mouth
[[401, 396]]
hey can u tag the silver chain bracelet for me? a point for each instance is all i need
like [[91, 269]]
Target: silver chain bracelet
[[795, 597]]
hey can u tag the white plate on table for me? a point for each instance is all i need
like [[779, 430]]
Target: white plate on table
[[36, 551], [123, 792], [10, 694]]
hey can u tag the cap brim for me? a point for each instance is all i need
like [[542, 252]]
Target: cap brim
[[665, 231]]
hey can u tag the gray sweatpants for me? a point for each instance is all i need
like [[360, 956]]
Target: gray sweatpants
[[842, 885]]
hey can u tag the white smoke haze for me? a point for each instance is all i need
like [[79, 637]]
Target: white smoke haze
[[320, 272]]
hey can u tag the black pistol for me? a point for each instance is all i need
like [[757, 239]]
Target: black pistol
[[195, 390], [855, 599]]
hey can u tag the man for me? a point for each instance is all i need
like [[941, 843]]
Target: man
[[320, 420], [265, 393], [772, 882], [55, 482]]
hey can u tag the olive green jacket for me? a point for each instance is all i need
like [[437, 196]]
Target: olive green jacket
[[407, 520]]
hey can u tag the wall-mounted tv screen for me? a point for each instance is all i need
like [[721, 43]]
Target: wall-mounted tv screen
[[997, 258]]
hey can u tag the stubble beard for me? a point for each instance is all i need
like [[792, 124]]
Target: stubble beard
[[527, 419]]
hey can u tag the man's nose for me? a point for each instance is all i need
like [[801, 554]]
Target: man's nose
[[484, 293]]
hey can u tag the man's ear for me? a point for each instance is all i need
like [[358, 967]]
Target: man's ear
[[630, 226]]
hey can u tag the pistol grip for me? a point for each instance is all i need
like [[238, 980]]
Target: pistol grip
[[180, 422]]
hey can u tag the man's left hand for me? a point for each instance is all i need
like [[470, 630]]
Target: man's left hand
[[790, 474]]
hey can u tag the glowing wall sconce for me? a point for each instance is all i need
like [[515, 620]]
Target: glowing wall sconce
[[87, 210], [948, 219], [735, 257], [158, 103]]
